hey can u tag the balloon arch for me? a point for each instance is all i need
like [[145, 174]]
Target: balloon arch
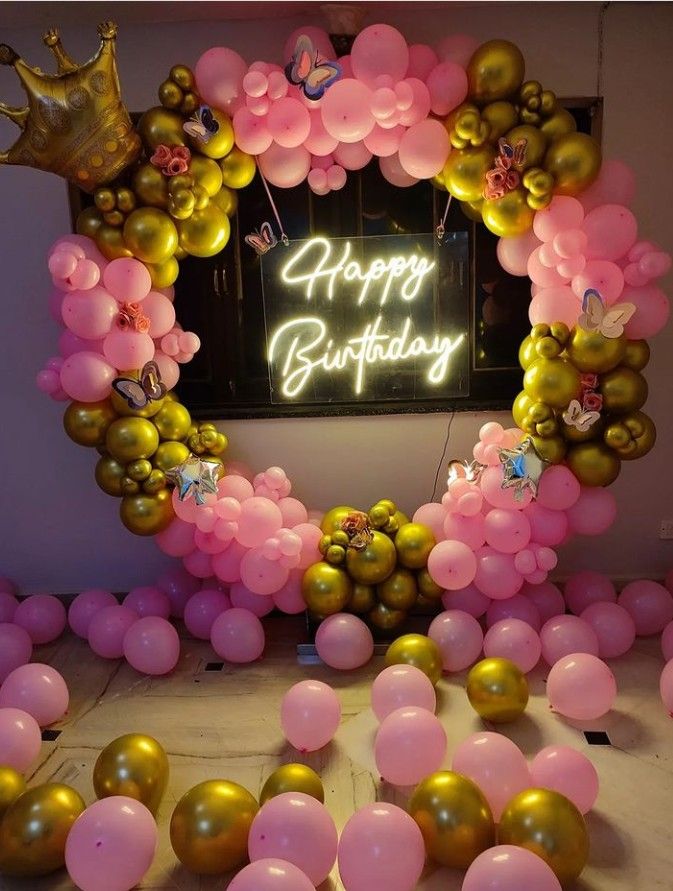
[[462, 116]]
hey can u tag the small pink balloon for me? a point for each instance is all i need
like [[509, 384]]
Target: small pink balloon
[[85, 606], [37, 689], [559, 488], [270, 875], [168, 368], [89, 314], [544, 274], [652, 311], [394, 173], [469, 599], [237, 636], [43, 616], [567, 771], [582, 687], [148, 601], [344, 642], [258, 604], [420, 104], [111, 845], [128, 349], [516, 607], [289, 122], [277, 85], [378, 50], [127, 279], [611, 231], [202, 609], [515, 640], [255, 84], [563, 213], [87, 377], [309, 715], [152, 646], [586, 587], [613, 626], [285, 167], [495, 764], [459, 638], [666, 642], [401, 686], [319, 141], [20, 739], [555, 304], [600, 275], [346, 112], [514, 252], [649, 604], [564, 635], [178, 585], [593, 513], [262, 575], [422, 59], [508, 868], [16, 648], [496, 574], [107, 630], [665, 687], [383, 103], [410, 744], [219, 74], [447, 84], [352, 155], [452, 565], [432, 515]]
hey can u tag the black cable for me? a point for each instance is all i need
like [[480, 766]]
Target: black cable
[[441, 460]]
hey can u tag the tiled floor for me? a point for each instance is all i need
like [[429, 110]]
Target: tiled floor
[[224, 724]]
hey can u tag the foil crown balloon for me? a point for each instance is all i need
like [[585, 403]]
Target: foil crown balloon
[[75, 124]]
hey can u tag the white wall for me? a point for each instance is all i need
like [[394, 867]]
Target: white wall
[[58, 531]]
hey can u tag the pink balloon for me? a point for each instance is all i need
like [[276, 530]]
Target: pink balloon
[[615, 183], [515, 640], [318, 37], [601, 275], [516, 607], [384, 142], [219, 76], [611, 231], [468, 599], [649, 604], [56, 298], [227, 564], [168, 368], [255, 84], [235, 484], [179, 586], [85, 606], [401, 686], [557, 304], [410, 744], [289, 122], [468, 530], [491, 486], [148, 601], [289, 598], [422, 59], [87, 377], [652, 311], [508, 868], [559, 488], [111, 845], [43, 616], [297, 828], [293, 512], [394, 173], [160, 312], [285, 167], [177, 540], [514, 252], [319, 141], [258, 604], [665, 687], [459, 638], [16, 648], [496, 574], [567, 771], [20, 739], [495, 764], [548, 527], [37, 689], [564, 635], [543, 273], [345, 110], [107, 629], [260, 574], [310, 536], [352, 155], [447, 84], [432, 515], [424, 149], [277, 85], [69, 343], [309, 715], [251, 132], [202, 609], [152, 646], [452, 565], [457, 48], [582, 687], [666, 642], [613, 626], [506, 530], [344, 642], [199, 563], [379, 50], [420, 103], [237, 636], [563, 213], [587, 587], [89, 314], [593, 512], [270, 875], [128, 349], [383, 103], [127, 279]]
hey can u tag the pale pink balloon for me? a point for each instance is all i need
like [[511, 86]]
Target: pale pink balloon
[[168, 368], [69, 343], [613, 626], [496, 574], [237, 636], [255, 83], [345, 110], [452, 565], [89, 314], [259, 519], [457, 48], [202, 609], [179, 585], [433, 516], [127, 279], [344, 642], [152, 646], [495, 764], [563, 213], [251, 132], [447, 84], [147, 600], [270, 875], [289, 598], [567, 771], [593, 513], [20, 739], [297, 828], [514, 252], [507, 531], [310, 535], [260, 574], [199, 564], [515, 640], [410, 744], [384, 142], [309, 715], [459, 638], [336, 177], [128, 349], [219, 76], [468, 530], [277, 85], [227, 564], [557, 304], [257, 106], [289, 122], [383, 103], [56, 298], [469, 599], [235, 484], [160, 312], [667, 642], [649, 604], [401, 686], [379, 50], [285, 167], [111, 845], [600, 275], [177, 540], [559, 488], [548, 527], [87, 377], [85, 606], [420, 103], [394, 173], [352, 156], [516, 607], [43, 616], [7, 587], [615, 183], [543, 274], [611, 230], [37, 689], [490, 484], [424, 149], [422, 59], [107, 630], [258, 604], [508, 868], [319, 141], [586, 587], [582, 687], [564, 635], [652, 311], [16, 648], [318, 37], [293, 512], [666, 687]]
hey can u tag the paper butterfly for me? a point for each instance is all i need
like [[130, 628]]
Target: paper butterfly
[[202, 124], [515, 154], [305, 71], [608, 321], [263, 240], [139, 393], [576, 416]]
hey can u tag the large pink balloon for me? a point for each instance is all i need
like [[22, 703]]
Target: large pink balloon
[[237, 636], [251, 132], [559, 488], [615, 183], [468, 599], [127, 279], [318, 37], [548, 527], [516, 607], [392, 170], [452, 565], [514, 252], [309, 715], [270, 875], [600, 275], [8, 605], [495, 764], [459, 638], [37, 689], [160, 312], [401, 686], [344, 642], [107, 630], [424, 149], [381, 846], [16, 648], [285, 167], [563, 213], [611, 231], [593, 513], [507, 868], [649, 604], [289, 598], [227, 564], [586, 587], [652, 311], [468, 530], [219, 76], [490, 484], [432, 515], [177, 540], [20, 738], [87, 377], [111, 845], [128, 349], [43, 616], [447, 84], [152, 646], [345, 110], [667, 642], [507, 531], [410, 744], [557, 304], [613, 626], [515, 640], [289, 122], [89, 314], [420, 103], [297, 828], [146, 600], [202, 609], [379, 50], [319, 141], [168, 368], [496, 574], [564, 635], [582, 687], [85, 606], [422, 59], [567, 771], [457, 48], [384, 143]]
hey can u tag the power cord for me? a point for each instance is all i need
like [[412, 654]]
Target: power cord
[[441, 460]]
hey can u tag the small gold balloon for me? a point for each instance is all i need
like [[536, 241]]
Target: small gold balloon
[[12, 784], [35, 827], [384, 618], [109, 475], [574, 161], [623, 390], [220, 143], [363, 598], [161, 126], [495, 71], [631, 436], [497, 690], [164, 274], [427, 586], [326, 589], [183, 76], [133, 765], [86, 423], [520, 408], [173, 421], [227, 200], [454, 818], [558, 124], [210, 825], [292, 778], [593, 463], [419, 651], [128, 439], [550, 448], [553, 381], [373, 564], [399, 591], [501, 117], [205, 232], [572, 434], [591, 351], [509, 215], [413, 544], [536, 144], [170, 94], [89, 222], [150, 234], [637, 354], [548, 824], [332, 520], [155, 482], [169, 455], [238, 169], [206, 173], [147, 514], [527, 352], [121, 406], [111, 244], [472, 210], [151, 186], [465, 172]]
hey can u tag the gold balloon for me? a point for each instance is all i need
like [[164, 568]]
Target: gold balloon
[[548, 824], [373, 564], [238, 169], [161, 126], [227, 200], [520, 407], [35, 827], [326, 589], [495, 71], [363, 599], [169, 455], [399, 591], [417, 650], [134, 765], [497, 690], [509, 215], [121, 406], [591, 351], [205, 232], [173, 421], [550, 448], [572, 434], [293, 778], [109, 475], [501, 117], [150, 234], [220, 143], [574, 161], [637, 354], [465, 172], [332, 520], [413, 544], [164, 274], [147, 514], [89, 222], [427, 586], [86, 423], [472, 210], [130, 438], [558, 124], [536, 144], [631, 436], [553, 381], [593, 463], [386, 619], [527, 352], [150, 185], [206, 173], [155, 482], [111, 244], [12, 784], [139, 470], [210, 825], [454, 818], [623, 390]]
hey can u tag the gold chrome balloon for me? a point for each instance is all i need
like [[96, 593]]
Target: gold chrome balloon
[[574, 161], [536, 144], [12, 784], [147, 514], [130, 438], [501, 117], [150, 234], [427, 586], [109, 475], [419, 651], [151, 186], [292, 778], [497, 690], [593, 463], [520, 408], [631, 436], [399, 591], [133, 765], [559, 122], [373, 564], [227, 200], [550, 448], [160, 126], [155, 482], [169, 455], [591, 351], [173, 421], [509, 215], [495, 71], [413, 544], [35, 827], [326, 589], [86, 423], [210, 825], [465, 172], [386, 619], [548, 824], [362, 599], [139, 470], [220, 143], [89, 222], [205, 233], [332, 520], [623, 390], [554, 381], [527, 352], [111, 244], [454, 818], [637, 354], [121, 406], [238, 169], [164, 274], [206, 173], [472, 210]]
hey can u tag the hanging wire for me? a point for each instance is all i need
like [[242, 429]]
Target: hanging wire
[[283, 236], [440, 231], [600, 49], [443, 456]]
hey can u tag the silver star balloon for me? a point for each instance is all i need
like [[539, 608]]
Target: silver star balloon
[[195, 478], [523, 468]]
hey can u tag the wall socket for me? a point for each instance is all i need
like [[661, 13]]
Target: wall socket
[[666, 530]]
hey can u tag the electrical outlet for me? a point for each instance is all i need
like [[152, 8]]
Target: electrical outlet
[[666, 530]]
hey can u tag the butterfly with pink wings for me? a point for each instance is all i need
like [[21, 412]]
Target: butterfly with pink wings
[[202, 124], [263, 240], [308, 71], [139, 393]]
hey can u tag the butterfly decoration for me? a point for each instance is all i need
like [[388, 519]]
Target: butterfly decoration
[[608, 321], [464, 470], [263, 240], [139, 393], [578, 417], [502, 179], [202, 124], [515, 154], [308, 71]]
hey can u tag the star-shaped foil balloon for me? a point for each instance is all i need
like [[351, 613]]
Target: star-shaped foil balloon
[[523, 468], [195, 478]]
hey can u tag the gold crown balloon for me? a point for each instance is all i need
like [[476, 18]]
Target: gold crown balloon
[[75, 123]]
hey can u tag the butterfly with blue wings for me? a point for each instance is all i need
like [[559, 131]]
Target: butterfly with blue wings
[[139, 393], [202, 124], [607, 320], [308, 71], [263, 240]]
